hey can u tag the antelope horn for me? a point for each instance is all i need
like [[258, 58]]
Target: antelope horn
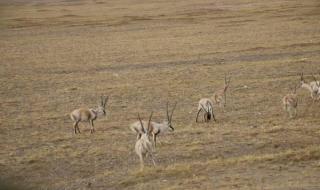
[[167, 111], [101, 97], [174, 107], [229, 80], [295, 89], [142, 128], [301, 76], [315, 79], [149, 122], [105, 101], [225, 79]]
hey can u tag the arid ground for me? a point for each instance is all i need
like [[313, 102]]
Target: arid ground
[[59, 55]]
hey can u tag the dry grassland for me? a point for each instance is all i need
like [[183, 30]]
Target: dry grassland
[[58, 55]]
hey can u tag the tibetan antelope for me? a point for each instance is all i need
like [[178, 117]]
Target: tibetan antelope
[[290, 103], [313, 87], [207, 114], [88, 115], [220, 96], [206, 105], [143, 145], [156, 128]]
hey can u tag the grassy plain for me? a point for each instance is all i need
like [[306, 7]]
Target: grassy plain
[[62, 54]]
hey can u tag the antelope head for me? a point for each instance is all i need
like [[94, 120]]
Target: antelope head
[[101, 110]]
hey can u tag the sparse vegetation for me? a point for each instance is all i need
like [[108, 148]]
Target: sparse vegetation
[[60, 55]]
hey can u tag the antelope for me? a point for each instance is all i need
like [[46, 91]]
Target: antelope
[[313, 87], [88, 115], [206, 105], [143, 145], [207, 114], [156, 128], [290, 103], [220, 96]]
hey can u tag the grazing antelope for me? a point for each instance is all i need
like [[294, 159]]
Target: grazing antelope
[[207, 114], [143, 145], [206, 105], [156, 128], [290, 103], [220, 96], [313, 87], [88, 115]]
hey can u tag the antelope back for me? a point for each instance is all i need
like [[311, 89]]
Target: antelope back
[[82, 114]]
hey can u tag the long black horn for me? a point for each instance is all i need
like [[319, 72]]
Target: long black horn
[[149, 122], [301, 77], [142, 128], [167, 111], [101, 100], [225, 79], [174, 107]]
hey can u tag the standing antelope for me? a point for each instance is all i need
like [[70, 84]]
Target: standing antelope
[[313, 87], [143, 145], [156, 128], [206, 105], [88, 115], [220, 96], [290, 103]]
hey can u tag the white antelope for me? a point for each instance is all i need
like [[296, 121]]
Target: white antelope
[[143, 145], [313, 87], [290, 103], [220, 96], [88, 115], [206, 105], [156, 128]]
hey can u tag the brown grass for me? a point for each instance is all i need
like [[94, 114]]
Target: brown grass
[[59, 55]]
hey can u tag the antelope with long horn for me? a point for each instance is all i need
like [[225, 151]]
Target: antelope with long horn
[[143, 145], [206, 105], [156, 128], [313, 87], [290, 103], [88, 115], [207, 114], [220, 96]]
